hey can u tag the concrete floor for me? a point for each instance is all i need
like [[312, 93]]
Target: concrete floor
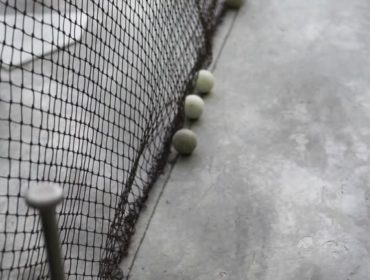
[[278, 187]]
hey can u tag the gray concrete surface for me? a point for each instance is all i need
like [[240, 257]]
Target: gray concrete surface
[[279, 185]]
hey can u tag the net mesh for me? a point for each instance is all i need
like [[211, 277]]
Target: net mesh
[[90, 94]]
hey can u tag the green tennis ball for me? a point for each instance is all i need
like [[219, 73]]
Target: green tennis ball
[[205, 81], [184, 141], [194, 107], [234, 4]]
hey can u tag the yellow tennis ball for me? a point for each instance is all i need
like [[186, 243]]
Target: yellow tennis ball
[[234, 4], [205, 81], [194, 107], [184, 141]]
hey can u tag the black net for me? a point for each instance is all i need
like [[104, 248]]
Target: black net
[[90, 95]]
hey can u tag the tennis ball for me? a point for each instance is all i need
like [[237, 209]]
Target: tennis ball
[[205, 81], [234, 4], [194, 107], [184, 141]]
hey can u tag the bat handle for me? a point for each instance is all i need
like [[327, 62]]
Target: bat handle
[[44, 197]]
